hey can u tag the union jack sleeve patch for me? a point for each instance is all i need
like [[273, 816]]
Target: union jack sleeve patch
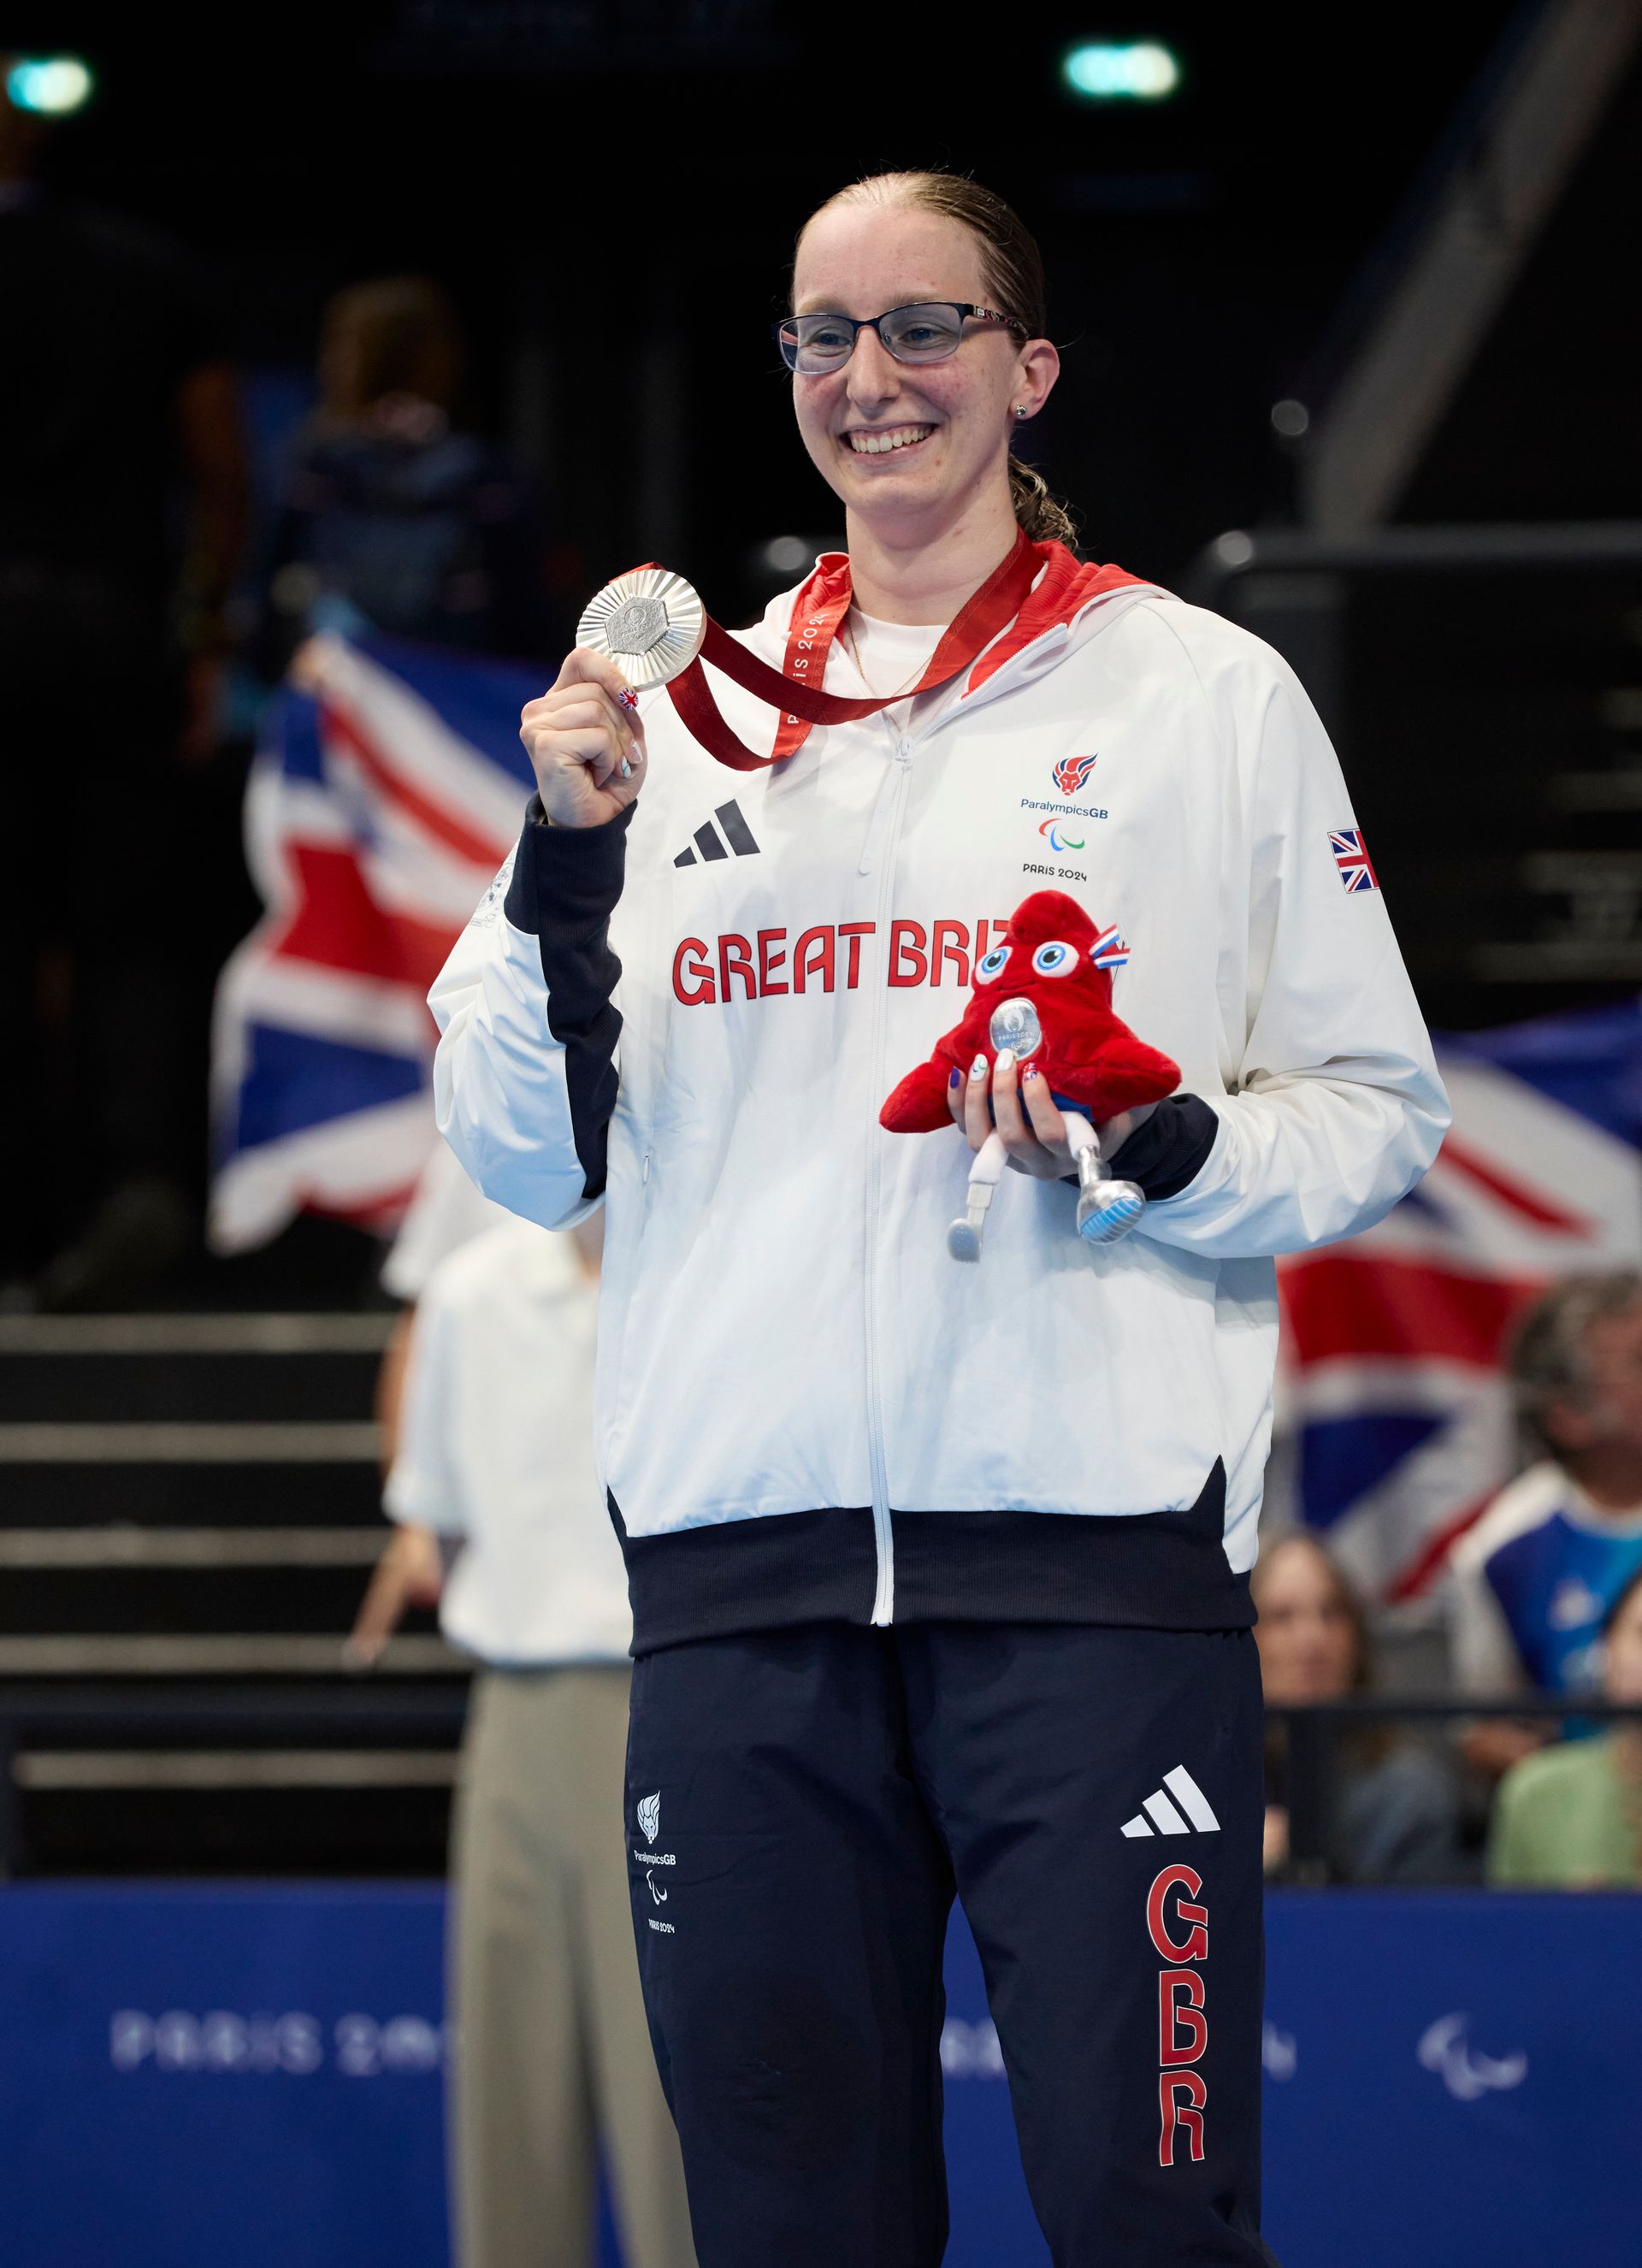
[[1350, 856]]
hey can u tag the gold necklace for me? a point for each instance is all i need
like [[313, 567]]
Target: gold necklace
[[878, 693]]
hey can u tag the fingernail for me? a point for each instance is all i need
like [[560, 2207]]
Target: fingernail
[[977, 1069], [627, 769], [1005, 1059], [954, 1078], [1029, 1070], [627, 697]]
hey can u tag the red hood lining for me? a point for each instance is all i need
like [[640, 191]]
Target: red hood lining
[[1066, 586]]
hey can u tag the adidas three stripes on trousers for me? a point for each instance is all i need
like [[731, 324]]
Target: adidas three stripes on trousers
[[802, 1805]]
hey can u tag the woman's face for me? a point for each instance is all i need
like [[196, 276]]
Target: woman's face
[[1622, 1654], [951, 420], [1307, 1643]]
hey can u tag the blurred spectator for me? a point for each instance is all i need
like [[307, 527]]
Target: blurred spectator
[[446, 1213], [494, 1470], [1571, 1817], [1534, 1578], [122, 511], [393, 518], [1394, 1816]]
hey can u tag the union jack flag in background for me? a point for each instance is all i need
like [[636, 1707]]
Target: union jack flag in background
[[388, 787], [1390, 1393], [1356, 868]]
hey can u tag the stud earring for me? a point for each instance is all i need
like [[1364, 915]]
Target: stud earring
[[1020, 409]]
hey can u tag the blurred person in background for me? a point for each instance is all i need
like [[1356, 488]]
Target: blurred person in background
[[446, 1212], [1394, 1816], [494, 1477], [1571, 1817], [393, 517], [122, 516], [1536, 1577]]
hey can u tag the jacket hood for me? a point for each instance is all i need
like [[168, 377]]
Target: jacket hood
[[1065, 590]]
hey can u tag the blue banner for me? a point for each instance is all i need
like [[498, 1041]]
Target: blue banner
[[191, 2077]]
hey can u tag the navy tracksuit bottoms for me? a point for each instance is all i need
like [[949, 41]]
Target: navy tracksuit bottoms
[[802, 1806]]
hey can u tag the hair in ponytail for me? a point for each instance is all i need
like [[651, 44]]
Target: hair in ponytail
[[1012, 272], [1046, 519]]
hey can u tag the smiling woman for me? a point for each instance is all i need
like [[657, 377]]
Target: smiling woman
[[1013, 294], [935, 1581], [905, 399]]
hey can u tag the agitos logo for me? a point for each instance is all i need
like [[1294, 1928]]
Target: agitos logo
[[1057, 838], [1072, 772]]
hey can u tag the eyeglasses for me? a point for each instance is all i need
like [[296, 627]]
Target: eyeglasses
[[931, 331]]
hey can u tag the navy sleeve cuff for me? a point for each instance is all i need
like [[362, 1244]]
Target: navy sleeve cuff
[[1166, 1154], [565, 884], [566, 876]]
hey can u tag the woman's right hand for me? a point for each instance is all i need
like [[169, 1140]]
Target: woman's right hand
[[578, 736]]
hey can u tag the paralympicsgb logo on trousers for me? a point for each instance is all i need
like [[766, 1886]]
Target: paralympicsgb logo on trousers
[[650, 1814]]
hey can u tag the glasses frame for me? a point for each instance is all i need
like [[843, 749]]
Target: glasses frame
[[965, 309]]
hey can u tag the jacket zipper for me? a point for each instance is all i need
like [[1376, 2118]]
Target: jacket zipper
[[883, 836], [882, 840]]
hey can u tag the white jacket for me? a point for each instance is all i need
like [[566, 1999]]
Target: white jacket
[[804, 1407]]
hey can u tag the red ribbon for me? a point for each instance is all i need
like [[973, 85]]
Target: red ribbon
[[796, 689]]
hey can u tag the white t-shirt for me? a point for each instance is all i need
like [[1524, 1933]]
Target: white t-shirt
[[891, 654], [497, 1448], [445, 1211]]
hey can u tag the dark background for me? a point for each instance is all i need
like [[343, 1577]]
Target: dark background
[[612, 193]]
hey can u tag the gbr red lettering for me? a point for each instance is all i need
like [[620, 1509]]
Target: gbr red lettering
[[1182, 2018]]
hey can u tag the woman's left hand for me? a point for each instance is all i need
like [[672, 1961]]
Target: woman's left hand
[[1030, 1125]]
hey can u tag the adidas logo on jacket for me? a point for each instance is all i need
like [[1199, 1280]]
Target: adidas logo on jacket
[[805, 1408]]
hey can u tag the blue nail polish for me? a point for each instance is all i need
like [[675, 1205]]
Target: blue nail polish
[[956, 1079]]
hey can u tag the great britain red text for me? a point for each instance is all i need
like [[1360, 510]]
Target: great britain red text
[[832, 956]]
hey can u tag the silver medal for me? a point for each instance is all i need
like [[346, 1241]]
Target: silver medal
[[649, 621]]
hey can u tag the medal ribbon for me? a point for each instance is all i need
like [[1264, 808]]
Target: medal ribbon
[[795, 688]]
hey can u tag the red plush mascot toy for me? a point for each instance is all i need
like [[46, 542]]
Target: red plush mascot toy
[[1045, 990]]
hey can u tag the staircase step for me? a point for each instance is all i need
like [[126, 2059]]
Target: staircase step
[[211, 1495], [236, 1654], [127, 1600], [132, 1368]]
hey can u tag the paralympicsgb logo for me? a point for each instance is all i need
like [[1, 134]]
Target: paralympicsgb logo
[[650, 1814], [1072, 772]]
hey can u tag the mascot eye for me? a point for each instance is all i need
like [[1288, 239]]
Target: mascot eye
[[992, 964], [1054, 960]]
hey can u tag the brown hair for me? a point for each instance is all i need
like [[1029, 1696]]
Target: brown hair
[[398, 334], [1344, 1592], [1548, 1356], [1359, 1746], [1012, 274]]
